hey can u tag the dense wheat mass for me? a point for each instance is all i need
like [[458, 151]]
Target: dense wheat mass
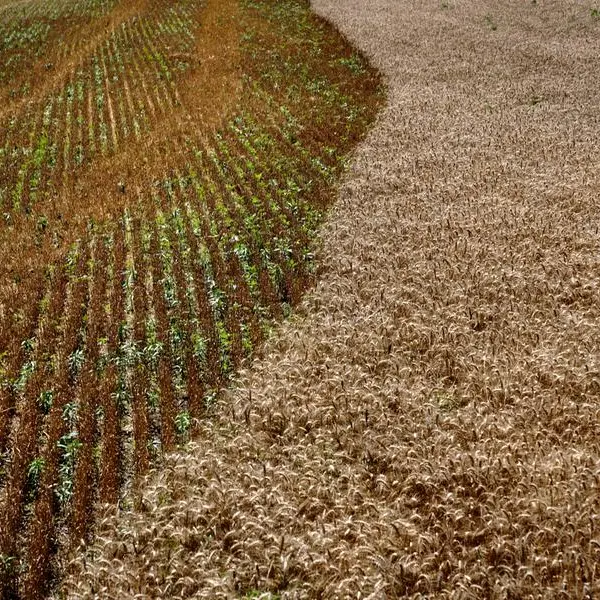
[[425, 425]]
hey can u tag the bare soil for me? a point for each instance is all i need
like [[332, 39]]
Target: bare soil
[[428, 423]]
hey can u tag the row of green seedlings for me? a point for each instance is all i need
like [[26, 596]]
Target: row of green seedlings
[[38, 425], [75, 101], [134, 60], [56, 434], [253, 229], [37, 147], [74, 448], [103, 103], [97, 134], [67, 440], [44, 442], [19, 40], [19, 366], [137, 67], [235, 244], [260, 184]]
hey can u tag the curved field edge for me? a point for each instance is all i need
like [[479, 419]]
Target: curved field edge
[[429, 426], [151, 310]]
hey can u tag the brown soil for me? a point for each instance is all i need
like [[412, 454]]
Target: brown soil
[[429, 422]]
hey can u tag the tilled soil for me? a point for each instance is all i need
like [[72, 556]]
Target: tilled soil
[[428, 424]]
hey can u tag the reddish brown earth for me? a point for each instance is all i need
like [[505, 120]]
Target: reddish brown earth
[[427, 425]]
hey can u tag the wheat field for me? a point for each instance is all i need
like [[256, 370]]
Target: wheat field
[[427, 424]]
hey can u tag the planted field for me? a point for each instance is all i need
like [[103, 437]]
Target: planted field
[[429, 425], [163, 169]]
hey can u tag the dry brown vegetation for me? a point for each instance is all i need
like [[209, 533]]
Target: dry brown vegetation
[[428, 424]]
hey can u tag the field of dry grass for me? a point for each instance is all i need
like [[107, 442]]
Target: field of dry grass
[[428, 423]]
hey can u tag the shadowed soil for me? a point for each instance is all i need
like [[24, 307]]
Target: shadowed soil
[[428, 423]]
